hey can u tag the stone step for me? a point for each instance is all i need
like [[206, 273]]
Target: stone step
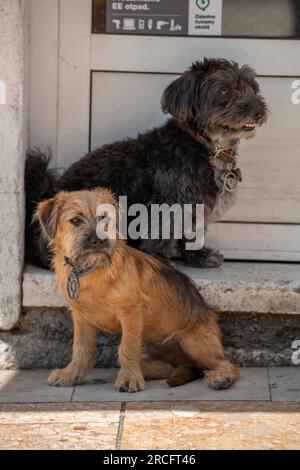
[[241, 287]]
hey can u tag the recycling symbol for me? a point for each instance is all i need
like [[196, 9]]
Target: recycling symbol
[[203, 4]]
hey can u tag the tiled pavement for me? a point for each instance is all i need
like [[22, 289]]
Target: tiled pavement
[[261, 411]]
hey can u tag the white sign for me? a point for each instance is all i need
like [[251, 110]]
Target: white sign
[[205, 17], [2, 92]]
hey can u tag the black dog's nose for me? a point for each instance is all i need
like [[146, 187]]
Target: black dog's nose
[[95, 240], [256, 112]]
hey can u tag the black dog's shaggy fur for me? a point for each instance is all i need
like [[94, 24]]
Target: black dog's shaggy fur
[[214, 104]]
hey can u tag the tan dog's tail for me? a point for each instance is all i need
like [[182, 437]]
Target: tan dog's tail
[[183, 374]]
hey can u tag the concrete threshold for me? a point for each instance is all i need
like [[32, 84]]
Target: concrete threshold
[[241, 287]]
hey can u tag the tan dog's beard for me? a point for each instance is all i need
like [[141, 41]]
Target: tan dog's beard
[[94, 260], [84, 257]]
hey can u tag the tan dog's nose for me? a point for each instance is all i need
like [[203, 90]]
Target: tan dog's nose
[[96, 241]]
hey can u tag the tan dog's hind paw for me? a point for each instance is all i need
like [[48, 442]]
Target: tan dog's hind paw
[[129, 382], [62, 378]]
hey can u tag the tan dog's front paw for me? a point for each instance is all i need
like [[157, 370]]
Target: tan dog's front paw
[[129, 382], [62, 378]]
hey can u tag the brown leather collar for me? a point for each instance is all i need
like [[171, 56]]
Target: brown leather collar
[[226, 154]]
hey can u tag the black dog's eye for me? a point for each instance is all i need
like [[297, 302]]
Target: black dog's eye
[[224, 91], [75, 221]]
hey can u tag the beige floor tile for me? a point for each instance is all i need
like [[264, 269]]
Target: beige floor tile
[[59, 413], [59, 426], [62, 436], [214, 425]]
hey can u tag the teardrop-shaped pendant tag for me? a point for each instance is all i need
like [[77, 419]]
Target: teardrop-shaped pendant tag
[[230, 182], [73, 285]]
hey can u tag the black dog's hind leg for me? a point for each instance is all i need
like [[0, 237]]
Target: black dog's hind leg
[[204, 258], [164, 250]]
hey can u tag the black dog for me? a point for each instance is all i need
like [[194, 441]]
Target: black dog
[[189, 160]]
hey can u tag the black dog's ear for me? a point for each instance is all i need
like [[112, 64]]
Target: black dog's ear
[[182, 97], [47, 215]]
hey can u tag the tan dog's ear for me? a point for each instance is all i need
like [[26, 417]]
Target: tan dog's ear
[[47, 214]]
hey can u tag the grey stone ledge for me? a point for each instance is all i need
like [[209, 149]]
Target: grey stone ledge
[[235, 287]]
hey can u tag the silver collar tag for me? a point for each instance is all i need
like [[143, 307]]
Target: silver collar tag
[[73, 285], [73, 282], [230, 182]]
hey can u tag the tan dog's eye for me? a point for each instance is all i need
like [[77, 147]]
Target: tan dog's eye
[[75, 221]]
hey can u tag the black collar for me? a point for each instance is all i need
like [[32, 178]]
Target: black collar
[[80, 273]]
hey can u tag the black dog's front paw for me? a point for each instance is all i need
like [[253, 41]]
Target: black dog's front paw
[[214, 260], [205, 258]]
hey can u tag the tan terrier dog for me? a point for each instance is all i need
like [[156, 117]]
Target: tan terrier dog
[[114, 288]]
